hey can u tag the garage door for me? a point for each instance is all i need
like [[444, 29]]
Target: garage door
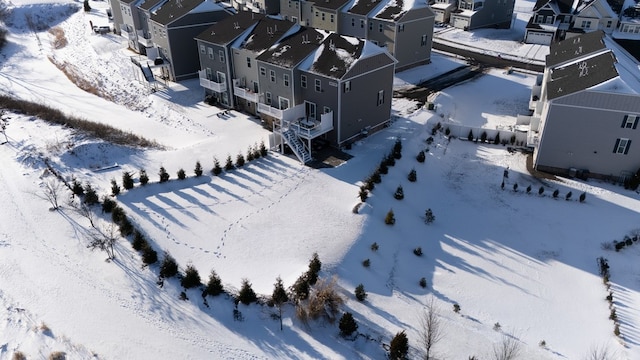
[[534, 37], [460, 22]]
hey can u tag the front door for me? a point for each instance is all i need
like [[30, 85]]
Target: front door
[[310, 110]]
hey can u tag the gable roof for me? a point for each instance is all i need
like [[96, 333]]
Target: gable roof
[[563, 6], [267, 32], [364, 7], [396, 9], [330, 4], [581, 74], [574, 47], [227, 30], [293, 49], [174, 9], [150, 4]]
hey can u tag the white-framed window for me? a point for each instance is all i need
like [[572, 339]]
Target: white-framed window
[[248, 62], [283, 102], [221, 55], [586, 24], [211, 53], [380, 97], [630, 121], [400, 27], [331, 17], [272, 75], [423, 40], [318, 85], [370, 25], [622, 146], [303, 81], [380, 27], [203, 49], [267, 98], [285, 79], [361, 23], [353, 22], [263, 71], [549, 20], [326, 110], [609, 23], [346, 87], [322, 16], [209, 74], [540, 19]]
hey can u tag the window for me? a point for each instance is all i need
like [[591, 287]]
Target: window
[[353, 22], [380, 97], [267, 98], [401, 28], [326, 110], [248, 62], [362, 24], [318, 86], [285, 80], [211, 53], [331, 17], [370, 25], [202, 49], [622, 146], [549, 20], [540, 19], [380, 27], [346, 86], [263, 71], [221, 55], [586, 24], [322, 16], [272, 76], [630, 121], [284, 103], [303, 81], [209, 74], [317, 14], [609, 23], [423, 40]]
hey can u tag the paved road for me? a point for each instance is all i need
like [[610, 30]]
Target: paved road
[[487, 60]]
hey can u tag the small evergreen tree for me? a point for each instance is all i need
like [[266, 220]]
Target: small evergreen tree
[[250, 153], [363, 194], [375, 177], [583, 196], [263, 149], [483, 136], [115, 188], [217, 169], [529, 189], [512, 140], [556, 192], [347, 325], [497, 139], [397, 149], [279, 297], [149, 256], [86, 6], [228, 166], [164, 175], [214, 285], [240, 160], [138, 241], [568, 196], [127, 180], [390, 218], [191, 277], [181, 174], [470, 136], [300, 288], [429, 217], [421, 156], [117, 214], [168, 267], [256, 151], [315, 265], [198, 169], [399, 194], [90, 195], [413, 176], [390, 160], [107, 204], [541, 190], [77, 188], [360, 293], [144, 178], [399, 346], [515, 187], [246, 294], [383, 168]]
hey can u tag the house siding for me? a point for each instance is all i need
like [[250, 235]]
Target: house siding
[[408, 47]]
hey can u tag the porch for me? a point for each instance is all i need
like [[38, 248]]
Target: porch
[[207, 83]]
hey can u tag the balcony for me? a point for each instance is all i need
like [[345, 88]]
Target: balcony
[[127, 31], [211, 84], [243, 92], [310, 129], [144, 40]]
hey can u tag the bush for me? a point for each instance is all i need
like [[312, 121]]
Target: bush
[[217, 169], [390, 218], [497, 139], [139, 242], [583, 196], [107, 204], [417, 251], [256, 152], [90, 195], [181, 174], [149, 256], [360, 293], [301, 288], [18, 355], [383, 168], [497, 326], [399, 346], [59, 355], [115, 188], [164, 175], [240, 160], [390, 160], [246, 294], [423, 282], [263, 149], [541, 190], [191, 277], [125, 227], [612, 315], [470, 136], [228, 166], [483, 136], [429, 217], [366, 263], [363, 194], [374, 246], [168, 267], [250, 153], [315, 265], [399, 194], [86, 6], [456, 308], [347, 324], [397, 149], [568, 196], [413, 176], [556, 193], [127, 180], [324, 301], [118, 214], [529, 189], [3, 37], [198, 169], [144, 178], [77, 188], [214, 285], [421, 156]]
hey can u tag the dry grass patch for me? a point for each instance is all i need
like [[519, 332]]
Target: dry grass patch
[[74, 75], [59, 39]]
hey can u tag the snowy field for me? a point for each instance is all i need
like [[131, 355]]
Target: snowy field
[[525, 261]]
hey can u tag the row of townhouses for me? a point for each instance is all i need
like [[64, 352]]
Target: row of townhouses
[[586, 109], [555, 20]]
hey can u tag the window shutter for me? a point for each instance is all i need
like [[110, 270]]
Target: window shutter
[[626, 150], [635, 122], [615, 148], [624, 121]]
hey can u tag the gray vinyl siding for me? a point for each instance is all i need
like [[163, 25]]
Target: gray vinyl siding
[[583, 137], [328, 97], [384, 38], [408, 48], [277, 88], [290, 9], [215, 64], [242, 71], [116, 13], [345, 27], [317, 22], [494, 12]]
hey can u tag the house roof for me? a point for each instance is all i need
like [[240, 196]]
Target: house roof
[[150, 4], [267, 32], [330, 4], [128, 2], [338, 53], [563, 6], [574, 47], [364, 7], [294, 48], [395, 9], [582, 74], [227, 30], [174, 9]]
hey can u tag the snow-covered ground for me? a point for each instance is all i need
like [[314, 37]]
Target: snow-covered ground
[[525, 261]]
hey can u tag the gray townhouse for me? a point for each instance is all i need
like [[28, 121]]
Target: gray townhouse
[[216, 60], [174, 26], [585, 119], [244, 52], [269, 7], [474, 14], [131, 20], [443, 9]]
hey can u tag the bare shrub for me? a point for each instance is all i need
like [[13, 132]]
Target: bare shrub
[[105, 239], [508, 348], [59, 39], [51, 192], [324, 302], [58, 355], [600, 353], [18, 355], [430, 331]]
